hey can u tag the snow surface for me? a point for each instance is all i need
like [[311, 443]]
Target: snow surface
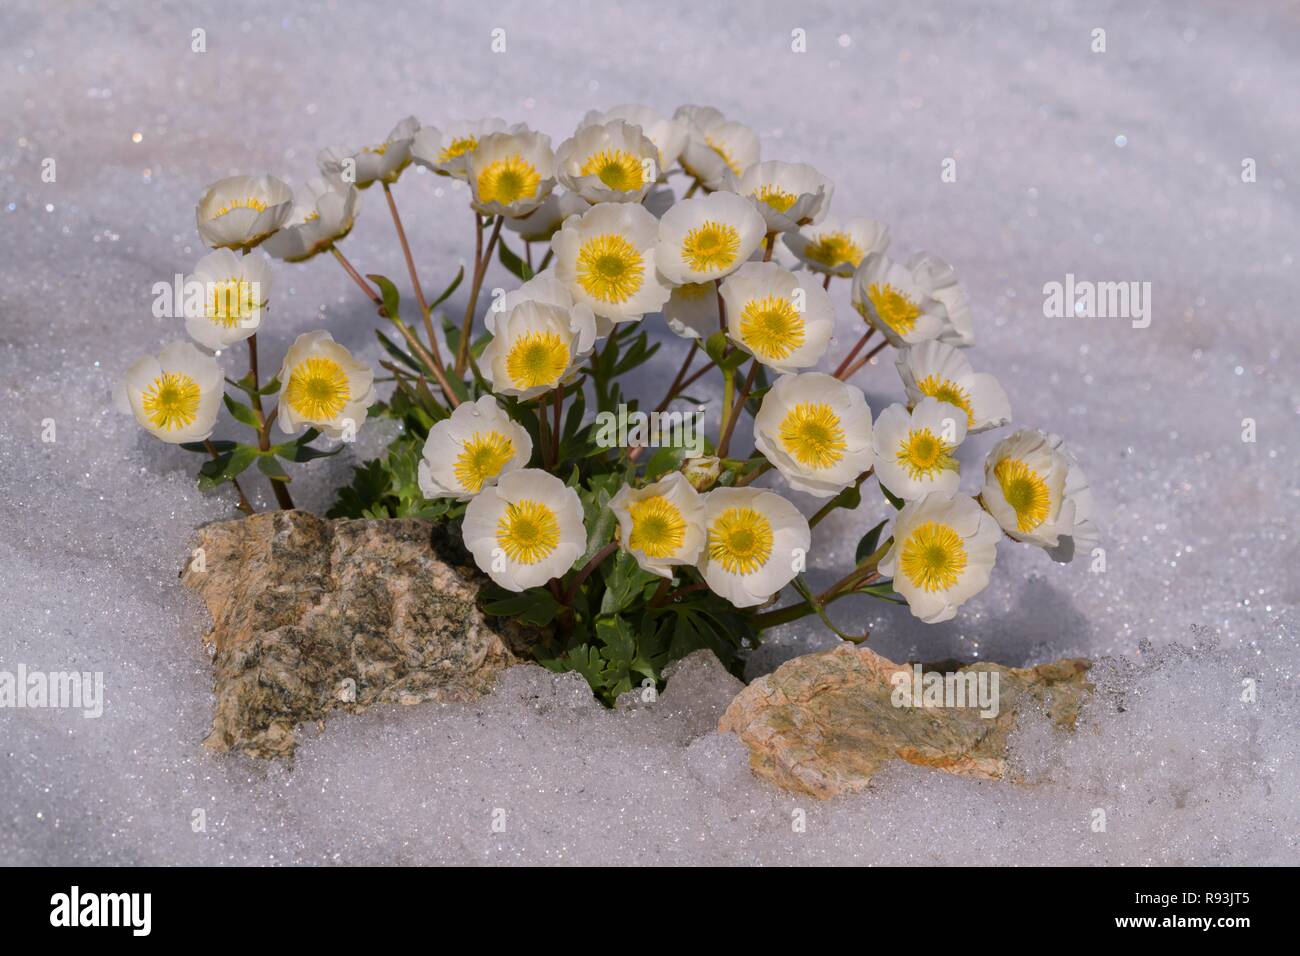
[[1200, 527]]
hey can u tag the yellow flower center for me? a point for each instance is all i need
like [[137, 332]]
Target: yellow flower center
[[695, 291], [318, 389], [711, 246], [377, 150], [171, 401], [933, 557], [528, 531], [537, 358], [740, 540], [923, 454], [721, 150], [616, 168], [658, 528], [775, 196], [230, 302], [895, 309], [610, 268], [508, 180], [457, 147], [1026, 492], [771, 326], [482, 457], [948, 391], [832, 249], [250, 202], [812, 435]]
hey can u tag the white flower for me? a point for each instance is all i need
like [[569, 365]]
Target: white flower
[[446, 150], [324, 387], [783, 318], [668, 135], [544, 287], [1038, 494], [787, 195], [692, 310], [370, 163], [536, 346], [241, 211], [914, 450], [897, 300], [707, 237], [471, 450], [816, 430], [235, 291], [943, 552], [943, 372], [606, 257], [317, 224], [662, 524], [716, 146], [754, 542], [525, 530], [612, 162], [174, 396], [541, 224], [511, 174], [836, 246], [959, 329]]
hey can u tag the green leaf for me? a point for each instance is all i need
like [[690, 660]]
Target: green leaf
[[867, 546], [229, 465], [598, 516], [664, 460], [241, 412], [406, 358], [624, 582], [715, 346], [536, 606], [202, 447], [584, 659], [446, 293], [300, 451], [270, 467], [388, 292], [514, 265], [270, 388], [370, 483], [894, 500]]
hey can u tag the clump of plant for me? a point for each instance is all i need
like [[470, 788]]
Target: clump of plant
[[631, 529]]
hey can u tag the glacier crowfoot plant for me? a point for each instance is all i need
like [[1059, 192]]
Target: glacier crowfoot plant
[[629, 557]]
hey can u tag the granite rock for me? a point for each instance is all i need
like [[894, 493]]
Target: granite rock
[[312, 616], [824, 723]]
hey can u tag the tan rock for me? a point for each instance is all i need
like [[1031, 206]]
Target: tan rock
[[823, 724], [312, 615]]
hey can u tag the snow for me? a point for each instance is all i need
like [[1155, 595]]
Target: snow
[[1116, 166]]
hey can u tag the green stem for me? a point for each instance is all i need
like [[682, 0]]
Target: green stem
[[835, 501], [587, 570], [841, 588], [725, 442], [482, 257]]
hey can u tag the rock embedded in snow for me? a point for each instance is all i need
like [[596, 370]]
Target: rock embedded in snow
[[825, 723], [311, 616]]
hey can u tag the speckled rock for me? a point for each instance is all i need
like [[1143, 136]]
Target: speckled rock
[[312, 616], [824, 723]]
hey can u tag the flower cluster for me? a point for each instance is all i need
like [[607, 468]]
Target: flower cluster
[[635, 557]]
